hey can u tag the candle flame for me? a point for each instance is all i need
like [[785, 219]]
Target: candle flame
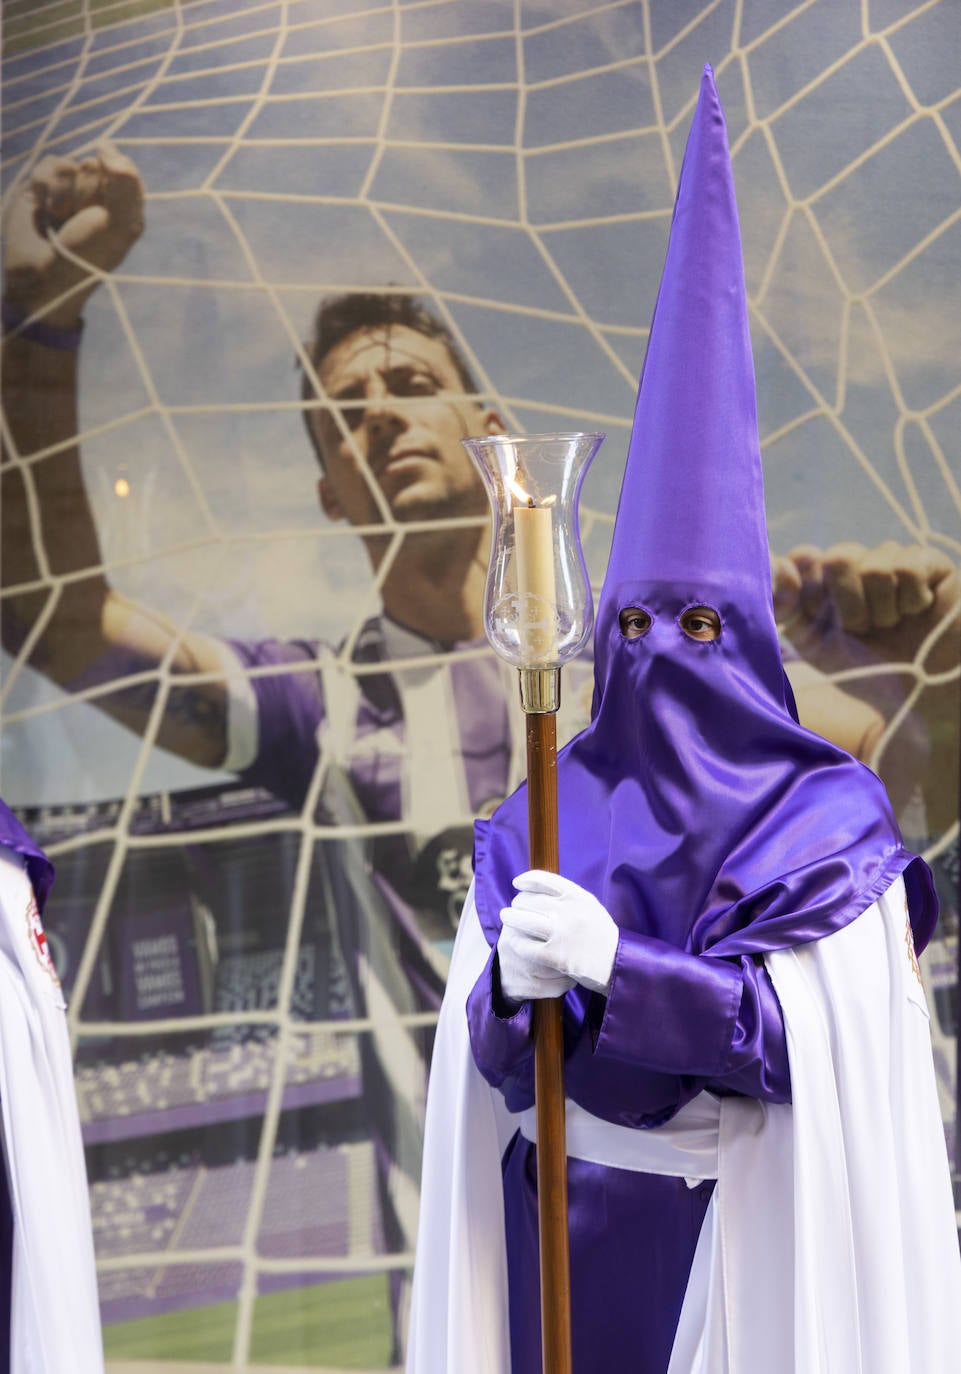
[[525, 496]]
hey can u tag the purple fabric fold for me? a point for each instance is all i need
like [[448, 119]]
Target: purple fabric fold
[[671, 1026], [13, 836], [690, 1005], [633, 1238]]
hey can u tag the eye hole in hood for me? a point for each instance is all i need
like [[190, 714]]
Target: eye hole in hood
[[700, 622], [634, 622]]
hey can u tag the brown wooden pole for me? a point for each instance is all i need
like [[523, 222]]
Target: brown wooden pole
[[549, 1070]]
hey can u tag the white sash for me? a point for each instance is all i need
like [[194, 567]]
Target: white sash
[[684, 1147]]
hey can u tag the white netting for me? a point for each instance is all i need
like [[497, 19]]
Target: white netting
[[513, 163]]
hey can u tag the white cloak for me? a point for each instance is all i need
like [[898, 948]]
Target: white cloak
[[55, 1317], [830, 1245]]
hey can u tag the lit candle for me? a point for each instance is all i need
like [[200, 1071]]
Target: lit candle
[[536, 588]]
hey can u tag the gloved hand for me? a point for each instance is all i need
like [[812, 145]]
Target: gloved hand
[[522, 972], [554, 934]]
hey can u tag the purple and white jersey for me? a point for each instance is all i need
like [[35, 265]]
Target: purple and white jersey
[[405, 743]]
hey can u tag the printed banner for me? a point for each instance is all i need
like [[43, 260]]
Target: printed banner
[[266, 265]]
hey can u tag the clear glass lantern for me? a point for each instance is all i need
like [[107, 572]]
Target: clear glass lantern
[[538, 611]]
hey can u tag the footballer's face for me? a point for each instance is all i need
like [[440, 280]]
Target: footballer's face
[[403, 412]]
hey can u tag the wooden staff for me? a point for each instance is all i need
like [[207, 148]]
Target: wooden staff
[[549, 1070]]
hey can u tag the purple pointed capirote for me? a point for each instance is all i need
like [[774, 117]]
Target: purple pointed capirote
[[692, 493], [692, 499], [694, 805]]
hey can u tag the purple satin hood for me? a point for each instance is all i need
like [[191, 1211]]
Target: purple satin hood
[[694, 806], [13, 836]]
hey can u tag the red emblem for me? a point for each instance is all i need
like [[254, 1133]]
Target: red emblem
[[38, 940]]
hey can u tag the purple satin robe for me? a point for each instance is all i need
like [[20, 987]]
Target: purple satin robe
[[671, 1025], [705, 819]]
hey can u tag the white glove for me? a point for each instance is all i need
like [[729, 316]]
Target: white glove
[[523, 973], [554, 934]]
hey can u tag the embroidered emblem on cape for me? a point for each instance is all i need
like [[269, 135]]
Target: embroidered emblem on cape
[[912, 954], [38, 940]]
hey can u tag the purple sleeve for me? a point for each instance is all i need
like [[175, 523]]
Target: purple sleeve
[[290, 708], [501, 1039], [717, 1020]]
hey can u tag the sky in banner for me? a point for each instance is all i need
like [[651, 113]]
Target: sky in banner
[[521, 178]]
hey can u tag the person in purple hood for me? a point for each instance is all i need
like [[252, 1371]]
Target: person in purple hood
[[705, 838]]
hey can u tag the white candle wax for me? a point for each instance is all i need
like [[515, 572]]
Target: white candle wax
[[536, 588]]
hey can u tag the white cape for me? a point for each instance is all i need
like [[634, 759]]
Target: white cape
[[830, 1246], [55, 1317]]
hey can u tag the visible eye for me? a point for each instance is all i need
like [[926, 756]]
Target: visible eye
[[351, 402], [411, 381], [700, 622], [634, 622]]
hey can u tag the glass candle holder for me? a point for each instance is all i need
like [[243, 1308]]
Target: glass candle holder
[[538, 610]]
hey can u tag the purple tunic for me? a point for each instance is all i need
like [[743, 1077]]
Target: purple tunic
[[291, 708], [714, 1024]]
